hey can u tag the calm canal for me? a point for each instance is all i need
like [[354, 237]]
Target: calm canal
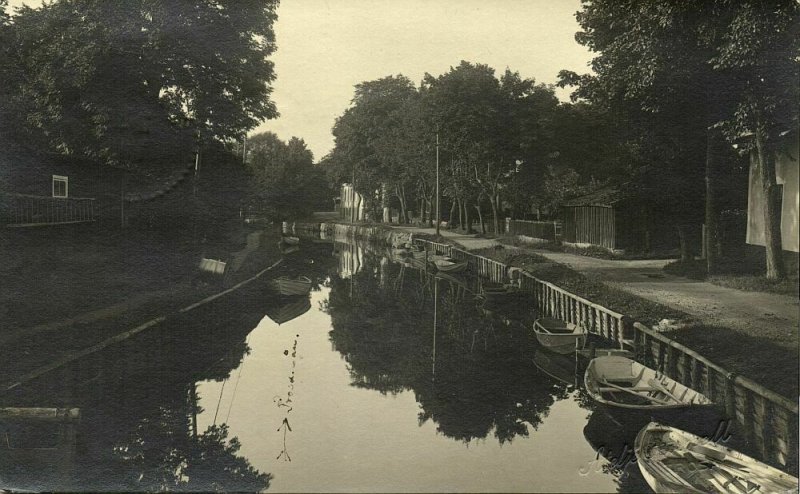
[[386, 378]]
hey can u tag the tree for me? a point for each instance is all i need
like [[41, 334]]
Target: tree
[[365, 145], [126, 79], [759, 45], [282, 175], [653, 58]]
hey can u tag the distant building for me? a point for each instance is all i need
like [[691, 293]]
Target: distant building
[[618, 219], [45, 189], [351, 204]]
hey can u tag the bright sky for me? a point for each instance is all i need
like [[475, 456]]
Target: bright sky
[[325, 47]]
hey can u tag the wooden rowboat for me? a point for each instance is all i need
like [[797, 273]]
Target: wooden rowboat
[[291, 240], [450, 265], [622, 382], [672, 460], [497, 294], [291, 286], [559, 336], [287, 309]]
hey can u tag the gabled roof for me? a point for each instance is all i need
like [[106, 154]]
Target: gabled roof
[[604, 196]]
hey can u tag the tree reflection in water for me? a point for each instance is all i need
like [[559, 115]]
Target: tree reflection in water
[[484, 379], [159, 458]]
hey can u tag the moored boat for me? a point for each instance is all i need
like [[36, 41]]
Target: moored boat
[[672, 460], [290, 240], [559, 336], [448, 265], [291, 286], [622, 382], [287, 309], [559, 367], [497, 294]]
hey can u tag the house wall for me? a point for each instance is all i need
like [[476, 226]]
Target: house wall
[[786, 169], [349, 199], [34, 176], [590, 225]]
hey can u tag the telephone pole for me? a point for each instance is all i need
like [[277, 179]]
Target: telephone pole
[[438, 217]]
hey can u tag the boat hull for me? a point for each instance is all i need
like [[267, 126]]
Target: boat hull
[[673, 460], [291, 286], [621, 382], [557, 336]]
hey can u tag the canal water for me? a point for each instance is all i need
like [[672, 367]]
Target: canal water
[[385, 378]]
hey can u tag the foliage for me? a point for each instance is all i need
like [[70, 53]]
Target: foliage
[[285, 183], [126, 82]]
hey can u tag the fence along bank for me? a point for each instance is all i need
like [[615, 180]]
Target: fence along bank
[[768, 420]]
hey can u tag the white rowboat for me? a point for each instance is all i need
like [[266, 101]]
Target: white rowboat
[[559, 336], [625, 383], [672, 460]]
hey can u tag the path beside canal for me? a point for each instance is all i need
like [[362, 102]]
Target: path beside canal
[[767, 315]]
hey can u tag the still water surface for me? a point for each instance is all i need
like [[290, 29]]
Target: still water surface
[[387, 379]]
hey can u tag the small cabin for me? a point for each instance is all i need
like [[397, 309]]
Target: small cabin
[[618, 219]]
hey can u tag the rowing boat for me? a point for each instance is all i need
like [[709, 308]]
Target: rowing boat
[[672, 460], [559, 336], [496, 294], [622, 382], [291, 286], [291, 240], [286, 309], [450, 265]]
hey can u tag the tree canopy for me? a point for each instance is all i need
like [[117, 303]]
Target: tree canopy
[[124, 81]]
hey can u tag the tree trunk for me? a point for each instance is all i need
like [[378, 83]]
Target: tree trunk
[[776, 269], [686, 253], [712, 146], [495, 207], [480, 218], [466, 217]]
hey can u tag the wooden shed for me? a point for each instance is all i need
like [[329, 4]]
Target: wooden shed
[[618, 219]]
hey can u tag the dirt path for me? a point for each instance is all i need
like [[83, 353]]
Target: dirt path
[[469, 242], [770, 315]]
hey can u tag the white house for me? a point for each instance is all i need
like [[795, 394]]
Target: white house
[[786, 170]]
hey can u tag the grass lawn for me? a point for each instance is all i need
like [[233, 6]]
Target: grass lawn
[[738, 274]]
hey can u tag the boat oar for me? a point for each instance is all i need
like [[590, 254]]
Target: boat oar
[[620, 388], [660, 387]]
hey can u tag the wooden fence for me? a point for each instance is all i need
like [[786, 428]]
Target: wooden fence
[[768, 420], [545, 230], [20, 210]]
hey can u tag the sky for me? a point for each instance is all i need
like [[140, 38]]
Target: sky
[[326, 47]]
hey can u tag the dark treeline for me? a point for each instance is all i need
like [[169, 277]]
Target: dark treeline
[[674, 87], [143, 90]]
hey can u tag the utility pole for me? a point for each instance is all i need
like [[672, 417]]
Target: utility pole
[[438, 217]]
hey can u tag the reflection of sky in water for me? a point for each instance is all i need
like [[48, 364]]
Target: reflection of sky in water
[[345, 438]]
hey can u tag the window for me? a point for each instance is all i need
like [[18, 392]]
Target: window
[[60, 186]]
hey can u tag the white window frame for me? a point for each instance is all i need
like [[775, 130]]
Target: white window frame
[[60, 178]]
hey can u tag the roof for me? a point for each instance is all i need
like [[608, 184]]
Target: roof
[[604, 196]]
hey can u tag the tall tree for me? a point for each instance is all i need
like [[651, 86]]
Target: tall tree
[[123, 79], [759, 46], [364, 137], [283, 175], [653, 57]]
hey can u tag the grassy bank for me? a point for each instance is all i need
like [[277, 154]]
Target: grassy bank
[[738, 274], [722, 345]]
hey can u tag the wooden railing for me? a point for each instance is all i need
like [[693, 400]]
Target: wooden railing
[[20, 210], [768, 419], [553, 301]]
